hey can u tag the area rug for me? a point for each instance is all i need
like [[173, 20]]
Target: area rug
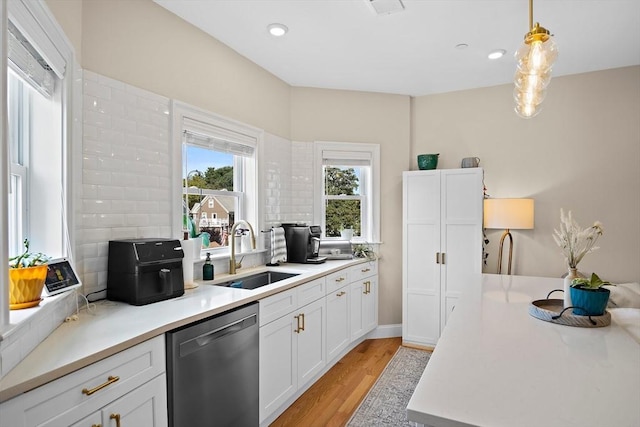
[[386, 402]]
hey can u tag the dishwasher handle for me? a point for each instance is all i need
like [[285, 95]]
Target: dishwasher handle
[[194, 344]]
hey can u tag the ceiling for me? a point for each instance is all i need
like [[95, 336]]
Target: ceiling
[[344, 44]]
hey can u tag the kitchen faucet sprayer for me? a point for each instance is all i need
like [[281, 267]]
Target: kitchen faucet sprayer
[[233, 266]]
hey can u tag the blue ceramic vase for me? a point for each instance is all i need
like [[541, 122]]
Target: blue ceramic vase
[[589, 302]]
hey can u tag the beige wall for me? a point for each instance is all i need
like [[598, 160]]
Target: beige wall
[[333, 115], [581, 153], [143, 44]]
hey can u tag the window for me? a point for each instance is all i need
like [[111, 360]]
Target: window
[[36, 151], [218, 173], [349, 177]]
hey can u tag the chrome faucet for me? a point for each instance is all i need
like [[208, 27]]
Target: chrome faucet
[[233, 266]]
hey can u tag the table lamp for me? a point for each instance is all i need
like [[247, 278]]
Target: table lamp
[[508, 214]]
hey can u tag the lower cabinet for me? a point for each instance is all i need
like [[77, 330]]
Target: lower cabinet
[[364, 299], [292, 347], [144, 406], [305, 330], [127, 389], [338, 322]]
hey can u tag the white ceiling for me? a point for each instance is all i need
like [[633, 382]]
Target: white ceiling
[[343, 44]]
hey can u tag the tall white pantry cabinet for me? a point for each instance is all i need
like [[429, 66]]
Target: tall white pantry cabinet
[[442, 247]]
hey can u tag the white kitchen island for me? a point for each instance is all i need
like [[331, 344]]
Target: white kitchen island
[[495, 365]]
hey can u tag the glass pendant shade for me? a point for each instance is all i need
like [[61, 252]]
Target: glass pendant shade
[[537, 56], [532, 97], [527, 111], [524, 81], [534, 60]]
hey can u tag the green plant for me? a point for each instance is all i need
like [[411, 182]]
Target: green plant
[[28, 259], [364, 251], [594, 282]]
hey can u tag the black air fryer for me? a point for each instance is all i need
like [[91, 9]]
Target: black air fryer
[[142, 271]]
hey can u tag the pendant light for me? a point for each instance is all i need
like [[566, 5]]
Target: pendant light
[[534, 59]]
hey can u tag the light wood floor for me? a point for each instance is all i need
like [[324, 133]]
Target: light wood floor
[[334, 397]]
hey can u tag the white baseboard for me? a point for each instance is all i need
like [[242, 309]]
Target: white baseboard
[[386, 331]]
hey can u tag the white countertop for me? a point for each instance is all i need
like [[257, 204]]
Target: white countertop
[[495, 365], [113, 326]]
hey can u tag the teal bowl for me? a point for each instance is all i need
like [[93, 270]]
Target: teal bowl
[[427, 161]]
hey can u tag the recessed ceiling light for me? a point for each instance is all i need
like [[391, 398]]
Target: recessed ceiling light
[[498, 53], [277, 30]]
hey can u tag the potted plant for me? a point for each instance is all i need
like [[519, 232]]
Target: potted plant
[[588, 296], [575, 242], [27, 274], [364, 251]]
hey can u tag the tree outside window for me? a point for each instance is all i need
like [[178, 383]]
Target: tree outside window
[[343, 204]]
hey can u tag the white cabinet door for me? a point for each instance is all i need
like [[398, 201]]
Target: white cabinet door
[[144, 406], [278, 363], [311, 341], [461, 235], [370, 304], [421, 252], [338, 326], [92, 420], [364, 307]]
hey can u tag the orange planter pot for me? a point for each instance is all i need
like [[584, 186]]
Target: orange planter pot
[[25, 286]]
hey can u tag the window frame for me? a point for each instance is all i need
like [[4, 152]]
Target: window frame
[[370, 186], [184, 116], [36, 22]]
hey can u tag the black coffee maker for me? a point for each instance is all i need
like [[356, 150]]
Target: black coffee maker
[[303, 243]]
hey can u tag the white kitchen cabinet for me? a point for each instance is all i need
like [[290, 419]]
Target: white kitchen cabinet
[[338, 322], [130, 385], [442, 247], [293, 346], [363, 298]]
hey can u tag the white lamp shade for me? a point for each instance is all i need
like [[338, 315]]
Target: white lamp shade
[[513, 214]]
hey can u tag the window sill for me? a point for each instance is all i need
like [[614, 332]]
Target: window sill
[[29, 327]]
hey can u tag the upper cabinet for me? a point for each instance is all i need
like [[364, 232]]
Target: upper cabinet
[[442, 247]]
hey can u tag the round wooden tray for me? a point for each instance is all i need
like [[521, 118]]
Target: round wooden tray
[[552, 310]]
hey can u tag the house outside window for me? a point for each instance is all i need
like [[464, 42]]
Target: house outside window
[[348, 177]]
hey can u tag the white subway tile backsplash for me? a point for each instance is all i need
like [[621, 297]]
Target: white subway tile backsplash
[[96, 177], [94, 88]]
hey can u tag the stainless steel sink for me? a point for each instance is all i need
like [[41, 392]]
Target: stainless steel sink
[[257, 280]]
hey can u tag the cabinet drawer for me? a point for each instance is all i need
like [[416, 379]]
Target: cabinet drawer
[[77, 395], [275, 306], [311, 291], [363, 270], [337, 280]]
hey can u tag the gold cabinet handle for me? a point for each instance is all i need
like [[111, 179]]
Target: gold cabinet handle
[[96, 425], [112, 379], [364, 270], [340, 279], [367, 287], [115, 417], [443, 257], [339, 294], [437, 257], [300, 325]]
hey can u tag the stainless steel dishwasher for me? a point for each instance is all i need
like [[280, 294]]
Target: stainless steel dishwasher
[[212, 371]]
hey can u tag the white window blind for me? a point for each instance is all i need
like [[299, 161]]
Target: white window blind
[[215, 138], [346, 158], [28, 64]]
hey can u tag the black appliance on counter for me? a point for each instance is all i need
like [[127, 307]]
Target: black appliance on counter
[[303, 243], [143, 271]]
